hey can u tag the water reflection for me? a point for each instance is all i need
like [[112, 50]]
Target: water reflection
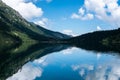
[[28, 72], [48, 62], [70, 64], [12, 60], [103, 71]]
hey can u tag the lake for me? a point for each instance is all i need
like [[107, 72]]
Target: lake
[[59, 62]]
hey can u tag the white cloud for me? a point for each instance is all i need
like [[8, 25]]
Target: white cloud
[[81, 11], [43, 22], [27, 9], [106, 10], [99, 28], [28, 72], [75, 16], [82, 17], [68, 32]]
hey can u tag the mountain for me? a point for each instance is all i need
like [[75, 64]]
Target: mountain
[[49, 33], [14, 28], [99, 40]]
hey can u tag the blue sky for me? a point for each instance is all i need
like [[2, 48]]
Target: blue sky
[[74, 17]]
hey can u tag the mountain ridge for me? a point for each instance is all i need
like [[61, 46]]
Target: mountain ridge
[[108, 40], [13, 24]]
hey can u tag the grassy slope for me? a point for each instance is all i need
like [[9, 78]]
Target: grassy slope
[[14, 21], [14, 29]]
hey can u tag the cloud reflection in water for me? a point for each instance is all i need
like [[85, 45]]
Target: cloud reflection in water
[[82, 64]]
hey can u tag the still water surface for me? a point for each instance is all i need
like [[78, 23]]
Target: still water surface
[[71, 64]]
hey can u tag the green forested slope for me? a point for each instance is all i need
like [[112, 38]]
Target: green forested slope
[[13, 24], [100, 40]]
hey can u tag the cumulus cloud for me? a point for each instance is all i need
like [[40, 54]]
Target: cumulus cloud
[[82, 16], [27, 9], [69, 32], [106, 10], [99, 28], [43, 22], [81, 11]]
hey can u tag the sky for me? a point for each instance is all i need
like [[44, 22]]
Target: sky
[[73, 17]]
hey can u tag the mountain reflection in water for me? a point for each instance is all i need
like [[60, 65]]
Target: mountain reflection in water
[[58, 62]]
